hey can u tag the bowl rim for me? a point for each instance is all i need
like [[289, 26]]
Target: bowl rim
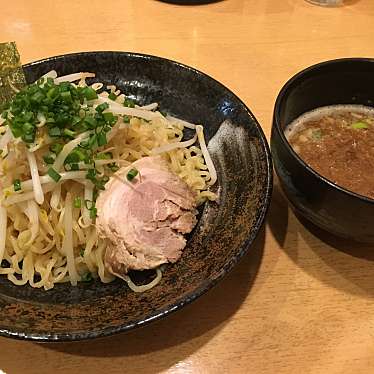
[[206, 286], [290, 83]]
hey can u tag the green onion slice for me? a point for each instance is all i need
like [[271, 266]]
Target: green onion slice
[[69, 133], [89, 93], [77, 202], [132, 173], [129, 103], [56, 148], [359, 125], [54, 174], [49, 158], [54, 132], [17, 185], [112, 96], [100, 108], [101, 139], [93, 213]]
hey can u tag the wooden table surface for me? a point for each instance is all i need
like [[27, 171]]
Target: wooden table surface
[[301, 301]]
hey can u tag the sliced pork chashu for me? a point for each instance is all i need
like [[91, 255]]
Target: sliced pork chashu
[[145, 219]]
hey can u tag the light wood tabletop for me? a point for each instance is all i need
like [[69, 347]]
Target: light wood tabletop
[[301, 301]]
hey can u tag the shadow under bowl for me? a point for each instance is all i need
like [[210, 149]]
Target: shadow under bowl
[[225, 229], [334, 209]]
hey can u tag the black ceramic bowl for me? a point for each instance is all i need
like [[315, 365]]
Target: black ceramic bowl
[[335, 209], [225, 230], [190, 2]]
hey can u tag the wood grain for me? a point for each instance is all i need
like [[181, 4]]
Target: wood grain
[[301, 301]]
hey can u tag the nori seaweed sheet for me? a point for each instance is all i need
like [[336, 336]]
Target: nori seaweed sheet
[[11, 72]]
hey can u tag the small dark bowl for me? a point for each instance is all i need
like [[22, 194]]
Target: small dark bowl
[[190, 2], [335, 209], [224, 232]]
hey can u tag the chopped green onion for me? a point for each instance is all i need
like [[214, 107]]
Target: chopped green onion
[[89, 93], [100, 108], [112, 96], [56, 148], [28, 128], [84, 144], [90, 205], [54, 132], [77, 202], [68, 111], [80, 154], [63, 118], [37, 97], [27, 117], [66, 96], [64, 86], [16, 131], [81, 127], [93, 213], [54, 174], [72, 158], [95, 194], [53, 92], [132, 173], [359, 125], [48, 158], [92, 141], [109, 118], [91, 122], [88, 160], [28, 138], [129, 103], [126, 119], [69, 133], [113, 167], [91, 174], [100, 182], [17, 185], [104, 156], [75, 121], [81, 252], [101, 139]]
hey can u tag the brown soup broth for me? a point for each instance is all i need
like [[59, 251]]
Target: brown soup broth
[[338, 142]]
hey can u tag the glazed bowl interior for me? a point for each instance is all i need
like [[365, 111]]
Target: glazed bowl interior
[[225, 229], [333, 208], [344, 81]]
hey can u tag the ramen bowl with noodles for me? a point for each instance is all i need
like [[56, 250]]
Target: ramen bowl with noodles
[[321, 146], [71, 153], [78, 241]]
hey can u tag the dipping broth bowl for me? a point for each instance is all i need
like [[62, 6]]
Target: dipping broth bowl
[[325, 204]]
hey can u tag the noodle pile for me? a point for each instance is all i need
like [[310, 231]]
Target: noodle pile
[[45, 237]]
